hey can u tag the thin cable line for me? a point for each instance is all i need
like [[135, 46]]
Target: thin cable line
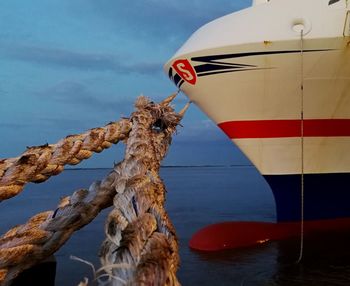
[[302, 145]]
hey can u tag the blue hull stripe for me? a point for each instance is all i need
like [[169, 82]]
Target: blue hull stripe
[[327, 196]]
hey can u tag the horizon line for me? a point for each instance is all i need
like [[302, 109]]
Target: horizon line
[[169, 166]]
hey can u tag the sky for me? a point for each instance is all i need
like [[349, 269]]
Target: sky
[[70, 65]]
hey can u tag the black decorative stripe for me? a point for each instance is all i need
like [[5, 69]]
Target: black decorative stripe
[[181, 83], [212, 64], [170, 73], [214, 58], [215, 67], [331, 2], [240, 70], [176, 79]]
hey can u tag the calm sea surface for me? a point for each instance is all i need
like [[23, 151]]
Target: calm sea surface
[[197, 197]]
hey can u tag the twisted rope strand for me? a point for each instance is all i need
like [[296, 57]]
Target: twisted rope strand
[[138, 231], [28, 244], [39, 163]]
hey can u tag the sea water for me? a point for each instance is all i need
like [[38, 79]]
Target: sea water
[[197, 196]]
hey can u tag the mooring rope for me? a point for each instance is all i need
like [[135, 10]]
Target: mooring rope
[[28, 244], [139, 233], [39, 163], [302, 183]]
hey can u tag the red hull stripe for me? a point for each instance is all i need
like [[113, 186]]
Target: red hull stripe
[[286, 128]]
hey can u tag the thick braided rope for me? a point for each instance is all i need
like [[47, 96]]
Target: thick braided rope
[[28, 244], [139, 233], [39, 163]]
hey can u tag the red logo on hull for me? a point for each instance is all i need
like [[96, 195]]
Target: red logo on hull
[[185, 71]]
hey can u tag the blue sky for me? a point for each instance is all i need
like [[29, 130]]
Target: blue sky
[[70, 65]]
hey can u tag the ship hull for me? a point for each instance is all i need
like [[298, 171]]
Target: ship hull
[[283, 99], [326, 196]]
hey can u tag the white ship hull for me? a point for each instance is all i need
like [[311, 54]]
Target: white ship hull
[[246, 72]]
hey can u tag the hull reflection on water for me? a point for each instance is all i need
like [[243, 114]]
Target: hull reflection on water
[[325, 262]]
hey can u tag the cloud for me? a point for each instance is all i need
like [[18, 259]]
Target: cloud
[[66, 64], [89, 95], [13, 125], [163, 17], [79, 94], [78, 60], [45, 123], [64, 123]]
